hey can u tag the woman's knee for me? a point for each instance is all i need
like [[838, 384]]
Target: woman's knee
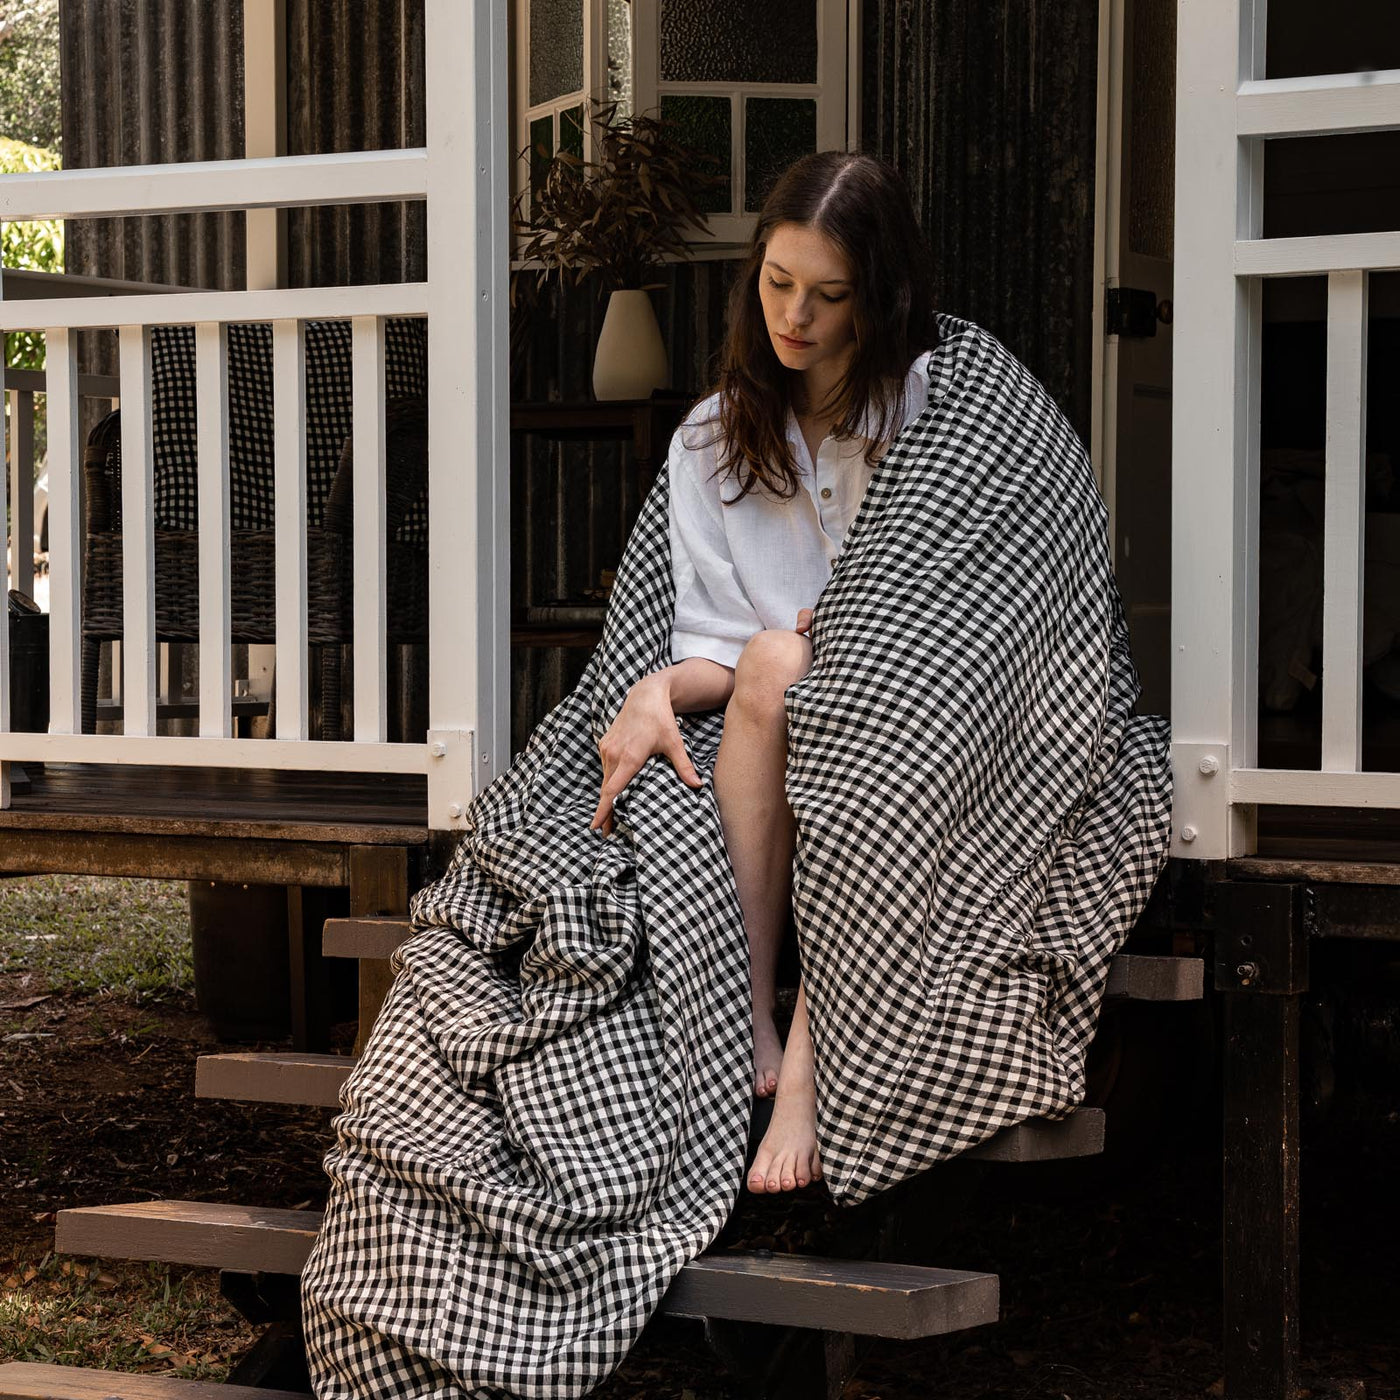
[[771, 661]]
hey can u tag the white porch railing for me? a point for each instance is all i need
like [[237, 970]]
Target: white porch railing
[[463, 175], [1226, 110]]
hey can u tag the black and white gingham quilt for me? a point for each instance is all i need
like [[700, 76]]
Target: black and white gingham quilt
[[549, 1117], [329, 402]]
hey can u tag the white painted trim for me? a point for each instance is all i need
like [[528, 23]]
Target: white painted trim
[[487, 744], [289, 524], [854, 50], [711, 250], [468, 362], [138, 535], [278, 754], [694, 88], [189, 308], [1317, 105], [1218, 199], [1344, 543], [13, 543], [212, 428], [22, 284], [646, 54], [371, 564], [1321, 253], [1291, 787], [65, 534], [265, 133], [21, 445], [1108, 167], [183, 187]]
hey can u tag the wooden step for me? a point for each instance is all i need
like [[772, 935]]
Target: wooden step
[[364, 937], [1144, 977], [295, 1077], [1045, 1139], [27, 1380], [835, 1295], [276, 1077], [887, 1300], [207, 1233], [1134, 976]]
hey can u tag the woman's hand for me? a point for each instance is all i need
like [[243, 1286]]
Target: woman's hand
[[804, 621], [646, 724]]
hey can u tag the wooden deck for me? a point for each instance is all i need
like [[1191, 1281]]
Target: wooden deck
[[1368, 835], [217, 824]]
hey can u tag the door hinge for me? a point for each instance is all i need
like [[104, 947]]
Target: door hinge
[[1131, 311]]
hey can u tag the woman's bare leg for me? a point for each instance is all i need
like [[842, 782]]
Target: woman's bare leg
[[787, 1157], [759, 831]]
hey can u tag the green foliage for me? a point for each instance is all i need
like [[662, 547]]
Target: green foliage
[[30, 108], [37, 246], [78, 934]]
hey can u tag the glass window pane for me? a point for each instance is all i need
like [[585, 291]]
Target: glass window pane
[[704, 123], [776, 131], [571, 131], [541, 150], [620, 54], [556, 49], [738, 41]]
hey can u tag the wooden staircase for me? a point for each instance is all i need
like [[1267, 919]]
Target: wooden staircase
[[823, 1303]]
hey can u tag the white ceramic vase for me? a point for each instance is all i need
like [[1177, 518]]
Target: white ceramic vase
[[630, 360]]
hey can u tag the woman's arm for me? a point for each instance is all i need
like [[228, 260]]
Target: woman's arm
[[695, 683]]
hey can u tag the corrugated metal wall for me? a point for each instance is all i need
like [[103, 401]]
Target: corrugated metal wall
[[988, 110], [148, 81], [355, 83], [988, 106]]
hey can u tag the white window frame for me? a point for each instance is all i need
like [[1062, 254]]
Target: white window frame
[[835, 93]]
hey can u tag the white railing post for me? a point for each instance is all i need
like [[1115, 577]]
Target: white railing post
[[1344, 517], [289, 467], [371, 563], [1215, 448], [12, 543], [23, 504], [22, 489], [468, 364], [211, 408], [65, 533], [138, 535]]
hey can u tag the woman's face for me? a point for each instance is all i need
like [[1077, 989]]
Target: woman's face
[[808, 295]]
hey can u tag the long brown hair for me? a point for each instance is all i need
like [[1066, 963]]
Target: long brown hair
[[862, 204]]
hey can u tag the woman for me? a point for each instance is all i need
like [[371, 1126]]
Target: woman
[[830, 322], [926, 749]]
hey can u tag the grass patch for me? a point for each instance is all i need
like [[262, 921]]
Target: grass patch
[[142, 1317], [82, 934]]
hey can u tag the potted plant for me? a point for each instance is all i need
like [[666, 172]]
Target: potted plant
[[617, 216]]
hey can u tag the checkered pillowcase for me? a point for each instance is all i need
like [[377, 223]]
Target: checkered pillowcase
[[328, 417]]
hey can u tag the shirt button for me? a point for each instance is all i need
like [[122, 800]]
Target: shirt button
[[832, 562], [826, 493]]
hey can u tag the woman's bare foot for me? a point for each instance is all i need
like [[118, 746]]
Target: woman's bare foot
[[767, 1054], [787, 1157]]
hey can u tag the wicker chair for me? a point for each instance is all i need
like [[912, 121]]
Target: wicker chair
[[252, 538]]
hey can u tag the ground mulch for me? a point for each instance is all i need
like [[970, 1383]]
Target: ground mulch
[[1109, 1269]]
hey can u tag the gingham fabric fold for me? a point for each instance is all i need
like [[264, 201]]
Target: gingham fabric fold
[[549, 1116]]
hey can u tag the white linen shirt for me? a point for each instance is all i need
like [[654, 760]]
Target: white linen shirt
[[744, 567]]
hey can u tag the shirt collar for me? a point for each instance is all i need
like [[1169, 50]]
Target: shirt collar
[[916, 394]]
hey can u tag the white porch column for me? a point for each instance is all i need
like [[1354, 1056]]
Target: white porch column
[[468, 365], [1215, 439]]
